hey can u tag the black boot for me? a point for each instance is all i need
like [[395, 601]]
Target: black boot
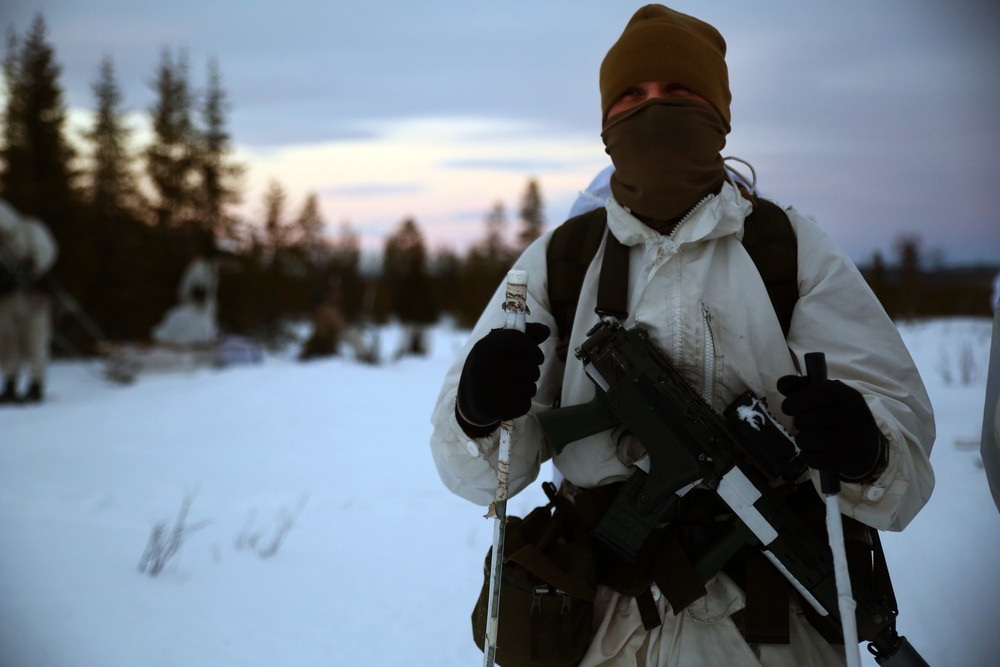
[[9, 394], [34, 394]]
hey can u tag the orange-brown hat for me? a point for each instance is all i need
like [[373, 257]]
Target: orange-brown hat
[[660, 44]]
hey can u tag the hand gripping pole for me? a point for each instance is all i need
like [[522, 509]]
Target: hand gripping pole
[[829, 483], [515, 308]]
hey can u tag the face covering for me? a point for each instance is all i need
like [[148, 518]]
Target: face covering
[[667, 158]]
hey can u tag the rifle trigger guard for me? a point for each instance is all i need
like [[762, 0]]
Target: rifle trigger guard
[[628, 449]]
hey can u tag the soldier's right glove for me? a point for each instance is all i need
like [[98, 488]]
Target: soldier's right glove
[[498, 379]]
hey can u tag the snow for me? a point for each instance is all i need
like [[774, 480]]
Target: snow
[[381, 565]]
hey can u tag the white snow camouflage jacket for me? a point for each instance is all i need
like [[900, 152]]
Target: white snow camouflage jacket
[[705, 306], [23, 238]]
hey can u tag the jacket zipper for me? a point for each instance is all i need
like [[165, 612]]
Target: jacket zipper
[[708, 358], [688, 215]]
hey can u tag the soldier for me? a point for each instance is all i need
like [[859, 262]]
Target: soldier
[[27, 253], [696, 289]]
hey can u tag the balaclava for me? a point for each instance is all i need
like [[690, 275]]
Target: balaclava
[[666, 151]]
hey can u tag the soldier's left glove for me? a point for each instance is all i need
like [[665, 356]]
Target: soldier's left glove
[[836, 430]]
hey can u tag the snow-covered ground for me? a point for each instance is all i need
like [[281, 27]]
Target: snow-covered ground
[[379, 564]]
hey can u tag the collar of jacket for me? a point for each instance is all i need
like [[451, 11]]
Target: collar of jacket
[[717, 216]]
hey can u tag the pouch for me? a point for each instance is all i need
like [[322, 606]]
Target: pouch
[[547, 594]]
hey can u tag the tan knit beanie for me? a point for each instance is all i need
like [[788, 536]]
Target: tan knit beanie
[[660, 44]]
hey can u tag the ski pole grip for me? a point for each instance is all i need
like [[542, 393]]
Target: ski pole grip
[[815, 367], [829, 481], [515, 303]]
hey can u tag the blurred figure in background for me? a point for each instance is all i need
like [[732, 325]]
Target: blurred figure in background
[[331, 328], [27, 253], [328, 326], [192, 322]]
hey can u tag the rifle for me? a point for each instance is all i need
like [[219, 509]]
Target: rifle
[[741, 455]]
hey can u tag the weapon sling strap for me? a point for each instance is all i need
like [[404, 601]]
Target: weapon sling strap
[[886, 643]]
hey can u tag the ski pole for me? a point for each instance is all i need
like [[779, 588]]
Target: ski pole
[[515, 308], [829, 484]]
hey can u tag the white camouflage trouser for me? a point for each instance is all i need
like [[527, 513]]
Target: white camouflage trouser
[[25, 331]]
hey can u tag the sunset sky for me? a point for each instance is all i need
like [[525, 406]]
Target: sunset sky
[[876, 118]]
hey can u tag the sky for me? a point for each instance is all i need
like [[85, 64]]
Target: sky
[[875, 118], [382, 564]]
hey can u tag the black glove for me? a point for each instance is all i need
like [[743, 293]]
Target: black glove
[[499, 377], [837, 431]]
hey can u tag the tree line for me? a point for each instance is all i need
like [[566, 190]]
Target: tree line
[[127, 219]]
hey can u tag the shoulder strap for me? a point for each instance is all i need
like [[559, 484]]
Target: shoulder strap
[[770, 241], [571, 248], [768, 238]]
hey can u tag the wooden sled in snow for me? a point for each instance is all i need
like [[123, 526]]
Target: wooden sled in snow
[[124, 362]]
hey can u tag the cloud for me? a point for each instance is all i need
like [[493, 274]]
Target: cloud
[[520, 166], [372, 189]]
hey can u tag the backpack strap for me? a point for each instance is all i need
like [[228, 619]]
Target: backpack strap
[[571, 248], [770, 241]]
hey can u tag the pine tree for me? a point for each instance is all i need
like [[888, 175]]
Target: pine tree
[[345, 251], [532, 215], [446, 271], [307, 233], [123, 274], [35, 175], [220, 175], [277, 235], [910, 286], [344, 268], [111, 186], [496, 223], [404, 268], [879, 283], [171, 158]]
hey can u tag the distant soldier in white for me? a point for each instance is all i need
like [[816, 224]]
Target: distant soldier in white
[[192, 322], [27, 253]]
